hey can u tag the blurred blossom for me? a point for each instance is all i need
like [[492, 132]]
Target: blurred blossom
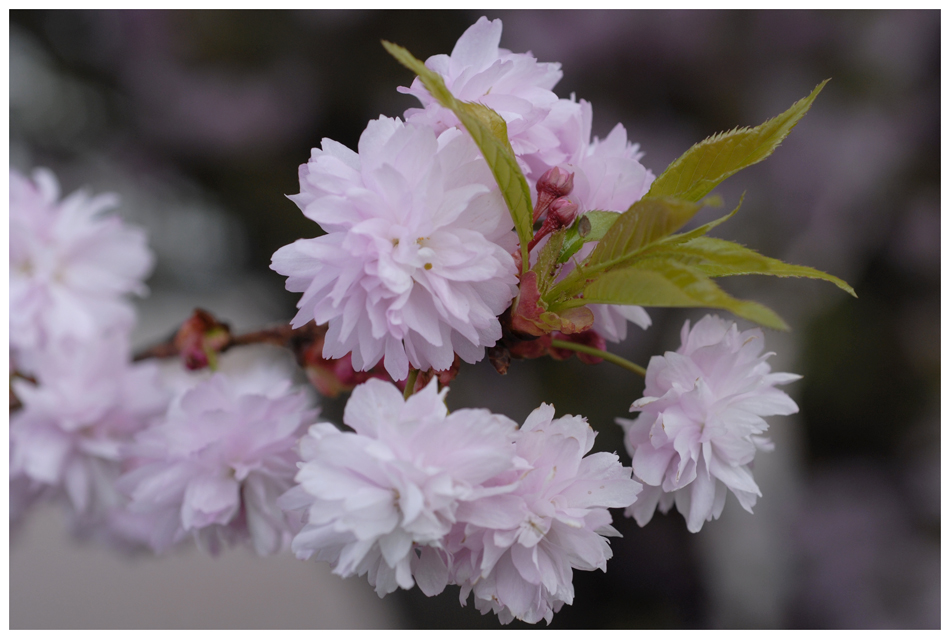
[[214, 466], [70, 264], [215, 112], [88, 402], [898, 45]]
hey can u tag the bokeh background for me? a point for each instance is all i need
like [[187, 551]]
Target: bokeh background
[[199, 120]]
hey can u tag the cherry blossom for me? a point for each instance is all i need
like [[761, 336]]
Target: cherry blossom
[[701, 422], [515, 550], [373, 496], [608, 176], [514, 85], [215, 464], [415, 265], [86, 405], [70, 265]]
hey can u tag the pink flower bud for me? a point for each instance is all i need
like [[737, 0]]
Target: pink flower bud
[[553, 184], [556, 182], [200, 338], [562, 212]]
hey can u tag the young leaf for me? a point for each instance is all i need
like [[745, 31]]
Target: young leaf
[[699, 231], [708, 163], [643, 223], [596, 225], [490, 133], [546, 265], [716, 258], [662, 282]]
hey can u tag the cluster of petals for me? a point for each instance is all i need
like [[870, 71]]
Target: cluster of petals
[[215, 463], [419, 496], [544, 132], [372, 497], [87, 403], [608, 175], [514, 85], [415, 265], [700, 422], [70, 265], [515, 551]]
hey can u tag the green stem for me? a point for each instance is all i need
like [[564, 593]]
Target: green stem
[[410, 383], [596, 352]]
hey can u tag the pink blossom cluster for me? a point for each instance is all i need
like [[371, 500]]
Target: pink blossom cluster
[[416, 266], [416, 495], [413, 266], [142, 456], [71, 266]]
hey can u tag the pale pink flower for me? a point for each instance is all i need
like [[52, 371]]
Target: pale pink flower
[[88, 403], [69, 264], [514, 85], [214, 466], [375, 496], [415, 263], [516, 550], [701, 422]]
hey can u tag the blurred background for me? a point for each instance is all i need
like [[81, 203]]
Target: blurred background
[[199, 120]]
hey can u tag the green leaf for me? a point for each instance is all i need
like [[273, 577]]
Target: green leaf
[[708, 163], [490, 133], [596, 225], [717, 258], [662, 282], [643, 223], [699, 231], [546, 266]]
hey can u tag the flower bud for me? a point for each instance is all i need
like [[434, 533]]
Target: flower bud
[[562, 212], [200, 338], [553, 184], [556, 182]]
